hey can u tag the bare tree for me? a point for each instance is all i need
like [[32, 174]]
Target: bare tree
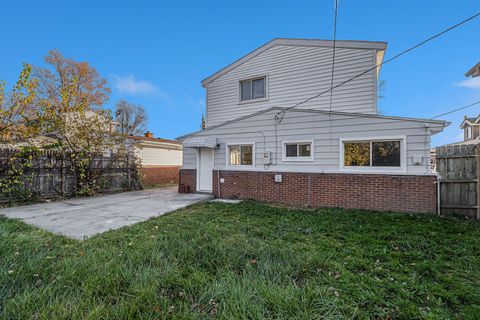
[[131, 118]]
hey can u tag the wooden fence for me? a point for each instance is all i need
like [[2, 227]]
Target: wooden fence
[[459, 170], [52, 175]]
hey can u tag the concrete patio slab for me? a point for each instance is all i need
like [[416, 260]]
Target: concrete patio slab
[[84, 217]]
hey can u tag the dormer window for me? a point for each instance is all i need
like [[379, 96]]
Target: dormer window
[[253, 89], [469, 132]]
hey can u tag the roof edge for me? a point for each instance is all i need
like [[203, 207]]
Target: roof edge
[[347, 114], [470, 123], [155, 140], [227, 122], [473, 71], [354, 44]]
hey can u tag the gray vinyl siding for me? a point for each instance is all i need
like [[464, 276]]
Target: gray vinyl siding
[[189, 158], [295, 73], [325, 130]]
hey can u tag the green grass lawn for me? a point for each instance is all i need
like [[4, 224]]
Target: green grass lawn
[[247, 261]]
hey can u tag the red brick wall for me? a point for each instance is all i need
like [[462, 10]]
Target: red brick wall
[[358, 191], [152, 175], [187, 177]]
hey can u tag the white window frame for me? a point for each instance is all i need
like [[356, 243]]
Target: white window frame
[[298, 159], [239, 166], [469, 132], [376, 169], [240, 101]]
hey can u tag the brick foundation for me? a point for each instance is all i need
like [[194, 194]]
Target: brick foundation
[[357, 191], [187, 181], [153, 175]]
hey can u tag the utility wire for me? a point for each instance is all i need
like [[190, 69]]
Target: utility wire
[[455, 110], [333, 54], [281, 114]]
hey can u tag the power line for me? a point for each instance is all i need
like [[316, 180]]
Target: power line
[[333, 54], [455, 110], [379, 65]]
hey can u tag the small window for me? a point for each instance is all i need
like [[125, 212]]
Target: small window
[[240, 155], [298, 151], [372, 154], [253, 89], [469, 132]]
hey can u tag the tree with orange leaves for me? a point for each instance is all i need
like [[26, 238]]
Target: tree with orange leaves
[[70, 98], [85, 87], [16, 111]]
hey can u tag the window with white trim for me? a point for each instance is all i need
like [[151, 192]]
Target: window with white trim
[[373, 153], [240, 154], [298, 151], [469, 132], [253, 89]]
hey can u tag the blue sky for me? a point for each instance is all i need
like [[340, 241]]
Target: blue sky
[[155, 53]]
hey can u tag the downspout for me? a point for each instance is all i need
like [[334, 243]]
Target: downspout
[[219, 188], [438, 194]]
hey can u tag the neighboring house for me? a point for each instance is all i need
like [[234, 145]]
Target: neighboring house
[[72, 122], [331, 151], [160, 159], [433, 159], [473, 72], [471, 129]]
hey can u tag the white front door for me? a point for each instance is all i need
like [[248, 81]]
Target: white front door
[[205, 168]]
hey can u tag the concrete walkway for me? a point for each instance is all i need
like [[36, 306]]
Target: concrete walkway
[[82, 218]]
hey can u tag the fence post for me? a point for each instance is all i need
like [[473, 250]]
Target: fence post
[[128, 172], [62, 176], [477, 160]]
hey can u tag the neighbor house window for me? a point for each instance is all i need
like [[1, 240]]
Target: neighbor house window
[[381, 153], [298, 151], [253, 89], [469, 132], [240, 155]]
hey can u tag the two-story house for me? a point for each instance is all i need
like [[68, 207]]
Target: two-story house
[[471, 129], [270, 136]]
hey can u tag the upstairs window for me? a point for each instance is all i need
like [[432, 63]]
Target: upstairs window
[[253, 89]]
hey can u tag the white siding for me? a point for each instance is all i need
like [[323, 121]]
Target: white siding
[[189, 158], [159, 155], [325, 130], [295, 73]]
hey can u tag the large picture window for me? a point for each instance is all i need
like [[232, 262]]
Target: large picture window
[[373, 153], [240, 155], [298, 151], [253, 89]]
